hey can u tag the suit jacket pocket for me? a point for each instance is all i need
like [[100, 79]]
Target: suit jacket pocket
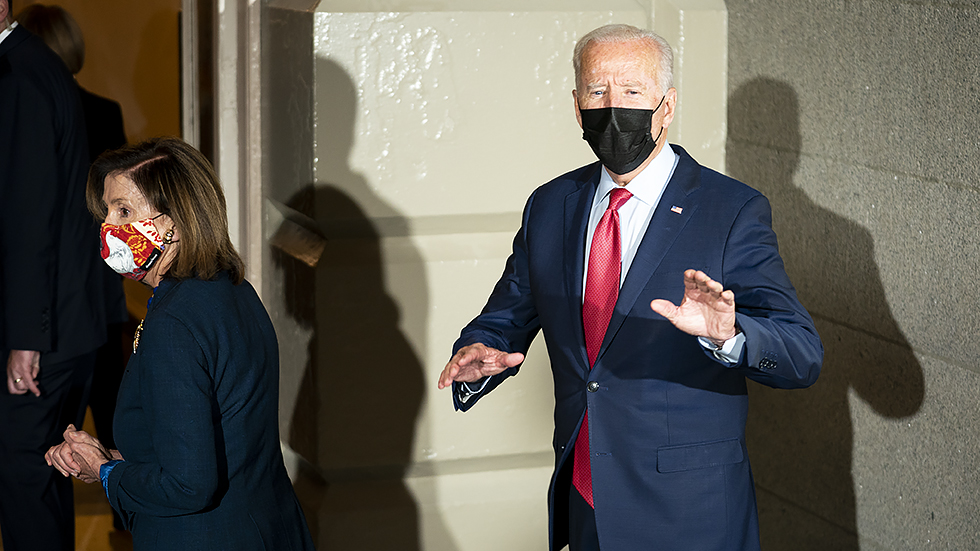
[[688, 457]]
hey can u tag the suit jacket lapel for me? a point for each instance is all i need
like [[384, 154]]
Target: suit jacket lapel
[[15, 37], [665, 225], [577, 206]]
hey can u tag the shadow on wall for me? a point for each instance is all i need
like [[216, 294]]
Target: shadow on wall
[[802, 442], [362, 390]]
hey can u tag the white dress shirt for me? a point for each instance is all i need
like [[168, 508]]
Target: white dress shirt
[[6, 30], [634, 217], [634, 214]]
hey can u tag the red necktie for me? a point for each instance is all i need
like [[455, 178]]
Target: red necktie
[[601, 291]]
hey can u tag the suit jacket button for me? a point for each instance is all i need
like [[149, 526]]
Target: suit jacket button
[[592, 386]]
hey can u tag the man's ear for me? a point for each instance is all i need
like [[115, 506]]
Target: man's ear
[[578, 112], [670, 107]]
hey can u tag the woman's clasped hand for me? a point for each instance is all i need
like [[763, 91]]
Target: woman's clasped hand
[[80, 455]]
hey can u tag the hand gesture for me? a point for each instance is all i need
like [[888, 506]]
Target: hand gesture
[[707, 309], [22, 369], [473, 362]]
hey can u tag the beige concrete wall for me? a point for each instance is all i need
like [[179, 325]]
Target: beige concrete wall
[[859, 121], [410, 134]]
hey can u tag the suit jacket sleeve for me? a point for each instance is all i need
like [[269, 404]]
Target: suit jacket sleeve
[[177, 394], [782, 348], [30, 223], [509, 321]]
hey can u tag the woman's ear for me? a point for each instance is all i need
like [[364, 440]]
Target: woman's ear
[[166, 226]]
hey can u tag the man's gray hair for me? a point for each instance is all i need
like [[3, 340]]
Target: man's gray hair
[[628, 33]]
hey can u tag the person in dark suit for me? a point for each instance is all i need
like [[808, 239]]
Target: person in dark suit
[[199, 464], [52, 316], [58, 29], [105, 131], [659, 288]]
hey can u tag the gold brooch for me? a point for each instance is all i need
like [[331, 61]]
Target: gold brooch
[[136, 337]]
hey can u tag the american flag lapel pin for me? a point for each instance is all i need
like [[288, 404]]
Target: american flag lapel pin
[[676, 209]]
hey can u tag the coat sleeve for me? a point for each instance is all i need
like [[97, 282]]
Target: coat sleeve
[[178, 400], [31, 198], [782, 348], [509, 320]]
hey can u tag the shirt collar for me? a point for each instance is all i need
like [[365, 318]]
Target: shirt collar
[[6, 31], [648, 185]]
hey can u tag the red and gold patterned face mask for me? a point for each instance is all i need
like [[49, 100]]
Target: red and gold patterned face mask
[[133, 249]]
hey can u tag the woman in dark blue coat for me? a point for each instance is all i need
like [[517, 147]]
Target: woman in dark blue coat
[[199, 464]]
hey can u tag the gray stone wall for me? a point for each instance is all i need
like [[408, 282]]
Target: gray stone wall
[[860, 120]]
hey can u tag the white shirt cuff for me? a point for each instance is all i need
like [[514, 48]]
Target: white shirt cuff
[[466, 391], [728, 353]]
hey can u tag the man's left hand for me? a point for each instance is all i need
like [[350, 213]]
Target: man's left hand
[[22, 369], [707, 309]]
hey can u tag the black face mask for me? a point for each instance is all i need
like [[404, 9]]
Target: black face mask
[[620, 136]]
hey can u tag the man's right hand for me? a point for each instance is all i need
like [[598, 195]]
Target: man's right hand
[[472, 363]]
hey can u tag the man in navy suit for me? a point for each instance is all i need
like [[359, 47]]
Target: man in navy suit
[[650, 413], [52, 313]]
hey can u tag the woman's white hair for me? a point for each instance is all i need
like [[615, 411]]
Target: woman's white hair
[[628, 33]]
